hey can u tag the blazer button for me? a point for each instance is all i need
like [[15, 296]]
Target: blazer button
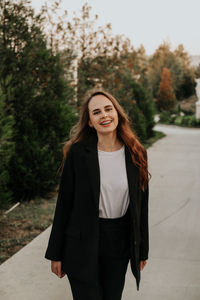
[[135, 243]]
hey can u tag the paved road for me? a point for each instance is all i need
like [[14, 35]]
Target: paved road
[[173, 269]]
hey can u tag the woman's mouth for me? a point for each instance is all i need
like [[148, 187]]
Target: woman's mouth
[[106, 123]]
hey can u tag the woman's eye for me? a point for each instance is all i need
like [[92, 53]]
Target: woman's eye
[[107, 109]]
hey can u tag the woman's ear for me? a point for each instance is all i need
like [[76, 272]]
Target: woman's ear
[[90, 123]]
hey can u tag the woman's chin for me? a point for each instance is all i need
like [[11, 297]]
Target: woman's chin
[[106, 131]]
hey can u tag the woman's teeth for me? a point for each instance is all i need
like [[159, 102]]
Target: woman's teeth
[[105, 123]]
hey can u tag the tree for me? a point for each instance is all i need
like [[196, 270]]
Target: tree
[[164, 58], [39, 102], [120, 81], [107, 60], [187, 86], [6, 149], [178, 62], [85, 39], [91, 41], [197, 71], [166, 97]]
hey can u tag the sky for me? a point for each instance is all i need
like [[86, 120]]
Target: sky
[[147, 22]]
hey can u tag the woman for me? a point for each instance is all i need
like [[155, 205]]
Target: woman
[[101, 216]]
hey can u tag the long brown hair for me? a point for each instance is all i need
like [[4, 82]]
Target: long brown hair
[[81, 131]]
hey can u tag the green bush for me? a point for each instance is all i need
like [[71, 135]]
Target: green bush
[[178, 120], [138, 105], [34, 165], [146, 107], [6, 152], [36, 98], [165, 117], [186, 120], [138, 121], [190, 121]]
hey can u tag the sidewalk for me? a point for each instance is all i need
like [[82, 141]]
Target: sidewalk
[[173, 269], [27, 275]]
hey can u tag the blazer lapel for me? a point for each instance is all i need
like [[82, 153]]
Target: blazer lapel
[[132, 176], [92, 162]]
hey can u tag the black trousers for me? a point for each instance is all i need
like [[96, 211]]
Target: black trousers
[[114, 255]]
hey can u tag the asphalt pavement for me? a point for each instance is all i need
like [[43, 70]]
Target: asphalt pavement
[[173, 268]]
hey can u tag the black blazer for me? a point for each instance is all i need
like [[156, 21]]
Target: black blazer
[[75, 231]]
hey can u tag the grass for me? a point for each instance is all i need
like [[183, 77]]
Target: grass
[[157, 135], [29, 219], [23, 224]]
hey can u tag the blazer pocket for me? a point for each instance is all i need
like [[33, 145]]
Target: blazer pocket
[[73, 232]]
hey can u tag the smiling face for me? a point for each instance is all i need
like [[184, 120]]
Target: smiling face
[[102, 114]]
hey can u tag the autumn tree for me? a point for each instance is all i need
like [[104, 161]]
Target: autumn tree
[[92, 42], [163, 57], [106, 60], [85, 39], [178, 62], [166, 97]]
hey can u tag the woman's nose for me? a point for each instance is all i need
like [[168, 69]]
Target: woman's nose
[[104, 114]]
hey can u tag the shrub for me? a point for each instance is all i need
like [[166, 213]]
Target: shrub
[[36, 99], [6, 151], [190, 121], [165, 117]]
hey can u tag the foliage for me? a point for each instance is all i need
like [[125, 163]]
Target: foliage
[[108, 60], [178, 62], [187, 87], [156, 135], [6, 149], [188, 121], [166, 97], [110, 73], [89, 42], [197, 71], [137, 104], [50, 63], [40, 93], [166, 117], [179, 120]]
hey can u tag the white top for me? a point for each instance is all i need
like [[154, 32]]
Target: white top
[[114, 194]]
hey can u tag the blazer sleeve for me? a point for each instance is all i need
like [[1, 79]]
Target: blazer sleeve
[[63, 210], [144, 225]]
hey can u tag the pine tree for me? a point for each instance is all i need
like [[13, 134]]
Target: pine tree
[[6, 149], [38, 104]]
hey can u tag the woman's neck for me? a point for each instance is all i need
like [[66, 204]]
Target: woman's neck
[[109, 142]]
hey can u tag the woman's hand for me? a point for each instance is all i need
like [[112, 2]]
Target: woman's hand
[[56, 268], [142, 264]]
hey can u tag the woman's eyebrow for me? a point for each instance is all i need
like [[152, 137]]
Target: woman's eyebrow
[[104, 107]]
